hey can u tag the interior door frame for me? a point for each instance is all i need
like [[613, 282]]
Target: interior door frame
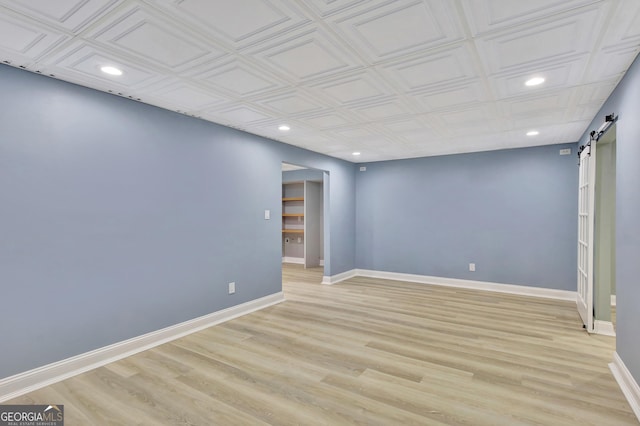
[[326, 219]]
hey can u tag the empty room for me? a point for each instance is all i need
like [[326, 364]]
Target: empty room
[[319, 212]]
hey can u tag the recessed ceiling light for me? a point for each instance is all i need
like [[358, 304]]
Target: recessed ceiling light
[[533, 133], [355, 153], [534, 81], [284, 128], [111, 70]]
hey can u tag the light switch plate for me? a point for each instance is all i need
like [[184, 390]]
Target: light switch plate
[[267, 214]]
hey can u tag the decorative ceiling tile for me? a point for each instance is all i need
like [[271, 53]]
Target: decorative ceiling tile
[[471, 93], [491, 15], [239, 79], [402, 27], [353, 88], [325, 121], [417, 137], [24, 39], [548, 106], [240, 22], [307, 56], [612, 62], [240, 115], [88, 60], [291, 103], [532, 46], [325, 8], [585, 111], [558, 76], [383, 110], [470, 121], [403, 125], [449, 67], [594, 93], [187, 97], [145, 35], [70, 14], [626, 28]]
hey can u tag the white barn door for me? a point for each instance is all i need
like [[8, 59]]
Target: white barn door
[[586, 209]]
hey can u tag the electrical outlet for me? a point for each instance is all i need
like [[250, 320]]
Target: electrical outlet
[[472, 267], [232, 288]]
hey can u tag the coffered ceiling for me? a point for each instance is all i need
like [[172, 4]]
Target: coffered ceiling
[[389, 79]]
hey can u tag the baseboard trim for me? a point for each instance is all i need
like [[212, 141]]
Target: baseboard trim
[[604, 327], [334, 279], [521, 290], [613, 300], [297, 260], [627, 383], [19, 384]]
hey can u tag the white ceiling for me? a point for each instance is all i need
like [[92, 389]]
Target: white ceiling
[[391, 79]]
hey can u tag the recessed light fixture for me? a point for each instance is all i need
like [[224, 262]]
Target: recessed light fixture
[[284, 128], [111, 70], [533, 133], [534, 81], [355, 153]]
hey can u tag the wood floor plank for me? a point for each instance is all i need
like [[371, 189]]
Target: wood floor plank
[[365, 351]]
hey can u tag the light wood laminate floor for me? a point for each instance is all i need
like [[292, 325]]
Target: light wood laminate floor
[[365, 351]]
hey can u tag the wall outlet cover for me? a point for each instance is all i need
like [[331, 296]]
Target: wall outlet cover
[[472, 267], [232, 288]]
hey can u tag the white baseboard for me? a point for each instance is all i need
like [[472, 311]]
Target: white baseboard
[[522, 290], [627, 383], [604, 328], [19, 384], [613, 300], [298, 260], [333, 279]]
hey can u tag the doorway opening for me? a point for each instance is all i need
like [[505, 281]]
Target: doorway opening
[[596, 231], [305, 220], [604, 266]]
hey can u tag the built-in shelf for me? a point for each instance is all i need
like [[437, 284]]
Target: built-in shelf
[[292, 214], [293, 231], [293, 199]]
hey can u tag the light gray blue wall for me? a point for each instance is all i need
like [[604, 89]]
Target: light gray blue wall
[[625, 101], [301, 175], [511, 212], [118, 218]]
